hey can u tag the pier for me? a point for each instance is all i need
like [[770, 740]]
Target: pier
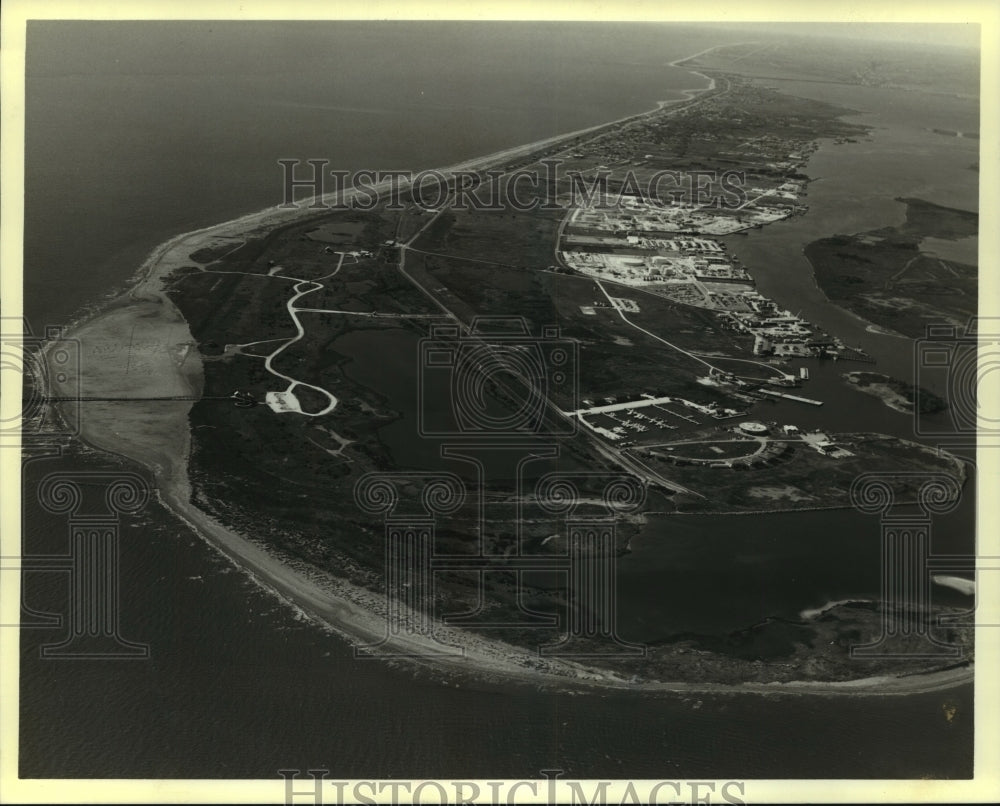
[[851, 354], [796, 398]]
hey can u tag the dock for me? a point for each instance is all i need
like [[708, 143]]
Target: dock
[[796, 398], [850, 354]]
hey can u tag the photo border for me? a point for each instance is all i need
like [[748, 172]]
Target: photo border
[[985, 786]]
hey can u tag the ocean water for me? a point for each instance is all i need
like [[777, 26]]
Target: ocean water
[[137, 132], [772, 566], [237, 686]]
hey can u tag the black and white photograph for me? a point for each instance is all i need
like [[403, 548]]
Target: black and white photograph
[[421, 403]]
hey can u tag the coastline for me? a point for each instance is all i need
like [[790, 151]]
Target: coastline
[[709, 79], [870, 327], [161, 360]]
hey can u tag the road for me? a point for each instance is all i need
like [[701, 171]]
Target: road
[[776, 371], [629, 463], [403, 247], [613, 455], [652, 335]]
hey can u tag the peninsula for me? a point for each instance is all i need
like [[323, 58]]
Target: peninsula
[[261, 368]]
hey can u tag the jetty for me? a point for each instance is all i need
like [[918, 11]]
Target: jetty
[[796, 398]]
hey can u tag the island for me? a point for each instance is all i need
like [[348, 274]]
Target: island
[[896, 394]]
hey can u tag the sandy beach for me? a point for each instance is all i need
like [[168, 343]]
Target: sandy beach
[[139, 346], [960, 584]]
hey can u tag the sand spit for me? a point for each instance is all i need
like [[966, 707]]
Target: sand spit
[[960, 584], [139, 346]]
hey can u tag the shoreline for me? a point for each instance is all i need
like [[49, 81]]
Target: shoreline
[[166, 358], [711, 81], [881, 390], [870, 327], [95, 308]]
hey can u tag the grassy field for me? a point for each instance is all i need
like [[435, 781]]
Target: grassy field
[[615, 358], [500, 238]]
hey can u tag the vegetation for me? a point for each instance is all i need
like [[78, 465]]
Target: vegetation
[[287, 480], [883, 276], [916, 398]]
